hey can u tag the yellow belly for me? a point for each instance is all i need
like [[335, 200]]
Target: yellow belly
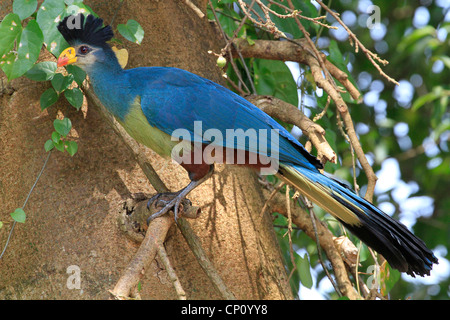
[[137, 126]]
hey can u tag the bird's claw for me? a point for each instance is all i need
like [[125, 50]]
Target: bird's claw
[[176, 198], [166, 205]]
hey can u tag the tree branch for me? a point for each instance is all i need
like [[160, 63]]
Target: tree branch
[[358, 44], [301, 52], [302, 220], [288, 113], [194, 243], [154, 238], [292, 50], [171, 272]]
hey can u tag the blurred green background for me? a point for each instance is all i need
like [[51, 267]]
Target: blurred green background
[[404, 129]]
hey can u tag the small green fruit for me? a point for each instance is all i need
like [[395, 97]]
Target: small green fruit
[[221, 62]]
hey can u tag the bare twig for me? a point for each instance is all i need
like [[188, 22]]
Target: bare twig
[[317, 240], [121, 2], [303, 220], [305, 52], [197, 11], [352, 151], [272, 194], [348, 122], [319, 116], [312, 47], [266, 22], [171, 272], [227, 51], [369, 54], [194, 243], [289, 232], [26, 201]]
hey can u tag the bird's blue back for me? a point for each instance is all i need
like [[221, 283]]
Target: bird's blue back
[[172, 98]]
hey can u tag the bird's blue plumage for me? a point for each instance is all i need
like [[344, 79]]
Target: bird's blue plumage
[[172, 98], [152, 102]]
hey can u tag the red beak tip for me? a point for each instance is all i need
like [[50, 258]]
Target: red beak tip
[[62, 62]]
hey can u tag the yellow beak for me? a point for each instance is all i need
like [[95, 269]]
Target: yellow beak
[[68, 56]]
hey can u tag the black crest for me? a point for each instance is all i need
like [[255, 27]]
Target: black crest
[[78, 29]]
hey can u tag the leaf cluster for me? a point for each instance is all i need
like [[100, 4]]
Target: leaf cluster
[[23, 33]]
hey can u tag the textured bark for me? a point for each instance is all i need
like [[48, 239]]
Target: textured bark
[[72, 214]]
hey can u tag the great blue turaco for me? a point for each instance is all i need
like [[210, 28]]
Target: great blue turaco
[[152, 102]]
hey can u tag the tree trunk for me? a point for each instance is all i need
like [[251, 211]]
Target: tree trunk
[[72, 213]]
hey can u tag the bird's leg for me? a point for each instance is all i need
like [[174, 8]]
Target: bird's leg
[[177, 198]]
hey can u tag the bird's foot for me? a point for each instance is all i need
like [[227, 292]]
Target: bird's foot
[[175, 198], [168, 201]]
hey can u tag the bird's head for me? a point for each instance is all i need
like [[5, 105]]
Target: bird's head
[[87, 38]]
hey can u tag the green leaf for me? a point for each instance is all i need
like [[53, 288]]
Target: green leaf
[[444, 59], [56, 137], [42, 71], [49, 145], [227, 19], [422, 100], [61, 83], [71, 147], [275, 79], [438, 92], [443, 126], [62, 126], [305, 271], [58, 82], [1, 224], [48, 97], [78, 7], [418, 34], [60, 146], [24, 8], [48, 16], [30, 44], [75, 97], [7, 62], [389, 278], [131, 31], [28, 50], [19, 215], [78, 73], [10, 29]]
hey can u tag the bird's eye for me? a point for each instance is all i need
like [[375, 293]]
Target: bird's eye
[[84, 49]]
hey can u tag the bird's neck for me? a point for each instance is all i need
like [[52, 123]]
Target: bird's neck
[[111, 85], [106, 67]]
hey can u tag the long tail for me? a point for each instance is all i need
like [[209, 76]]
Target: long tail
[[402, 249]]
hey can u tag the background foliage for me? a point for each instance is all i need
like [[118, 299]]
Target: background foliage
[[23, 33], [403, 129]]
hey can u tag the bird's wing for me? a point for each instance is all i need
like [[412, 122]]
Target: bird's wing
[[177, 99]]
